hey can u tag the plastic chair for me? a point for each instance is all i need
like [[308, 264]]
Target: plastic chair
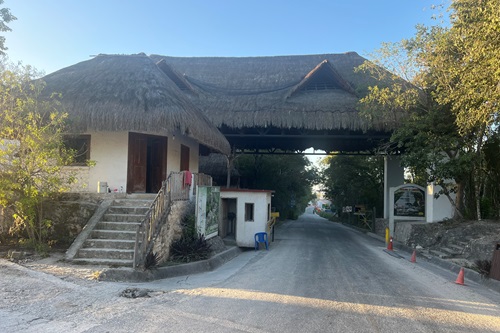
[[261, 237]]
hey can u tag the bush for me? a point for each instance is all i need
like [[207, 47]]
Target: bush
[[190, 248], [152, 260], [484, 267]]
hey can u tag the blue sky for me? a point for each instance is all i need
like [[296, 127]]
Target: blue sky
[[52, 34]]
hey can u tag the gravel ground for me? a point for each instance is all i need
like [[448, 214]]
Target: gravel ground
[[317, 277]]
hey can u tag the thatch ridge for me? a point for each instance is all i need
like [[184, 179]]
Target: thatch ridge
[[322, 66], [240, 92], [129, 92]]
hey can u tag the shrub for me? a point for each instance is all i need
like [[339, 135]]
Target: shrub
[[152, 260], [190, 248], [484, 267]]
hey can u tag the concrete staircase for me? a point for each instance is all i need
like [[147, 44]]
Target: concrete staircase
[[112, 239], [451, 251]]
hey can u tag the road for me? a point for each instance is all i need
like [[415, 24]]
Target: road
[[318, 276]]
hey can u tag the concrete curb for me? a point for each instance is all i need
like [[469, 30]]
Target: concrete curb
[[87, 230], [469, 273], [131, 275]]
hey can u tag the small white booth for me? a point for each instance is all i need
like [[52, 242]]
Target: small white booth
[[244, 213]]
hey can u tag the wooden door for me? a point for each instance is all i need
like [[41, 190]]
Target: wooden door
[[184, 158], [137, 163], [157, 165]]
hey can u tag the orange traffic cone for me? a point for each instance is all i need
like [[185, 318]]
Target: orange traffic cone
[[414, 256], [389, 246], [460, 277]]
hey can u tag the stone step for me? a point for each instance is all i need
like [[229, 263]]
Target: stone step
[[457, 248], [440, 254], [425, 254], [106, 262], [125, 226], [113, 234], [122, 218], [127, 210], [451, 252], [132, 203], [463, 244], [141, 196], [92, 253], [110, 244]]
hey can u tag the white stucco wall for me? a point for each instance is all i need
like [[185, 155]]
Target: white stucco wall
[[245, 230], [174, 153], [437, 209], [109, 151]]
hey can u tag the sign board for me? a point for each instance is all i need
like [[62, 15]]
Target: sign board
[[409, 200], [407, 203], [208, 210]]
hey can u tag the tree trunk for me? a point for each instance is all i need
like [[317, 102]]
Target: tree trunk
[[477, 193], [477, 173], [459, 200]]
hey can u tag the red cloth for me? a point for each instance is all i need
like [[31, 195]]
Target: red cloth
[[188, 178]]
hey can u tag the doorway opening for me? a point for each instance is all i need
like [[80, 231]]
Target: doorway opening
[[229, 216], [147, 163]]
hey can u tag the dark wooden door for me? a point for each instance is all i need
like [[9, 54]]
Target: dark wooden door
[[137, 162], [184, 158], [157, 165]]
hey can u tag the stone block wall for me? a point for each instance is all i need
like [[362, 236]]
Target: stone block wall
[[172, 229]]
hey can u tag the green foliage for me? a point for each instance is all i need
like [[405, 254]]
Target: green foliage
[[31, 151], [351, 180], [290, 176], [464, 63], [189, 225], [190, 248], [483, 267], [449, 104], [491, 192], [152, 260], [5, 17]]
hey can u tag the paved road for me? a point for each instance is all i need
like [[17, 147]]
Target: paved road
[[318, 276]]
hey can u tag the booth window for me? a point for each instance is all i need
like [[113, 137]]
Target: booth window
[[80, 144], [249, 212]]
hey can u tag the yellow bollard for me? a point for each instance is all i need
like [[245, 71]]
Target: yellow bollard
[[387, 236]]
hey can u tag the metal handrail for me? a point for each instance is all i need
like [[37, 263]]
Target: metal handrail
[[174, 188]]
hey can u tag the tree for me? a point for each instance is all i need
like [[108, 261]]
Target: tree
[[352, 180], [290, 176], [5, 17], [31, 151], [426, 137], [453, 99], [464, 66]]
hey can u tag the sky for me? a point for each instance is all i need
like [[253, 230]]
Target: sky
[[53, 34]]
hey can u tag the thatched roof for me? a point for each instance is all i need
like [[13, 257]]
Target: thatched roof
[[263, 92], [131, 93], [215, 165]]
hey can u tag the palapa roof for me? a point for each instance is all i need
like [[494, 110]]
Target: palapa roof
[[131, 93], [216, 166], [265, 92]]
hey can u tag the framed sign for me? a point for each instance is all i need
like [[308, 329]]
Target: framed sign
[[208, 210], [409, 200]]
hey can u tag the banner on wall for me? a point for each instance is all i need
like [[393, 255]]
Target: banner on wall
[[208, 210]]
